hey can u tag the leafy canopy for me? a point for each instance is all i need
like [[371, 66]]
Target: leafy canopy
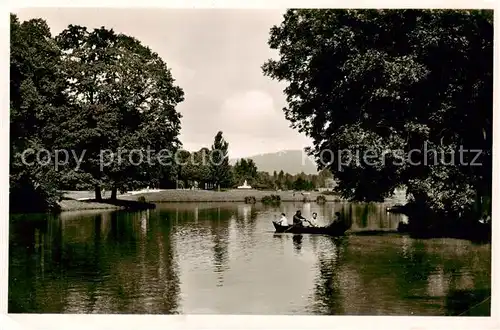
[[385, 80]]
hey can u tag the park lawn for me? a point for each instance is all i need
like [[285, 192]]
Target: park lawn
[[234, 195], [71, 202]]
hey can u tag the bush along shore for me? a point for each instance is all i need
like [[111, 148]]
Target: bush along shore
[[425, 223], [271, 200]]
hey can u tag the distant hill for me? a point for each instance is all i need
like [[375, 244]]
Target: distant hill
[[290, 161]]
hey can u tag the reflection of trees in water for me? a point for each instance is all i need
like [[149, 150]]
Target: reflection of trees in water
[[86, 260], [419, 276], [212, 231], [465, 292], [219, 231], [364, 216], [93, 265], [369, 216], [246, 216], [125, 228], [167, 271], [415, 266], [144, 277], [27, 255], [210, 224], [327, 296], [117, 262], [245, 226], [379, 279], [57, 256], [432, 274], [297, 242], [384, 219], [109, 260]]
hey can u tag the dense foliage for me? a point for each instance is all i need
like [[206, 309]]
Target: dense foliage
[[94, 94], [245, 169], [381, 82], [36, 98], [123, 97]]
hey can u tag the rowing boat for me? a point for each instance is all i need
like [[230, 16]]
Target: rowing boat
[[335, 229]]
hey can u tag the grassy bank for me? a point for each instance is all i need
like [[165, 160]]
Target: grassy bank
[[82, 200], [224, 196], [234, 195], [105, 204]]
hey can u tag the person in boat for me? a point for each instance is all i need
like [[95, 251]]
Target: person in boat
[[283, 221], [298, 219], [312, 222]]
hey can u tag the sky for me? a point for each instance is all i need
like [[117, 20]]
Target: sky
[[215, 55]]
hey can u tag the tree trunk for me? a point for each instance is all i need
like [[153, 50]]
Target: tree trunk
[[418, 213], [113, 193], [97, 190]]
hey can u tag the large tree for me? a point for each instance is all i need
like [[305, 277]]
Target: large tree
[[220, 170], [281, 180], [36, 104], [377, 81], [123, 100]]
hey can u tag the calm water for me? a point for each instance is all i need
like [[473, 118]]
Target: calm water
[[225, 259]]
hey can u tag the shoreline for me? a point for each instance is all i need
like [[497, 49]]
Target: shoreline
[[146, 199], [193, 196], [68, 205]]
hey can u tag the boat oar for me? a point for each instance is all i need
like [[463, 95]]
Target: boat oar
[[313, 225]]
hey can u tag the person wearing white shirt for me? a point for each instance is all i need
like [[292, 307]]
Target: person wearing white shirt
[[283, 220], [312, 222]]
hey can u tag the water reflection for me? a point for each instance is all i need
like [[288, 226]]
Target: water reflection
[[297, 242], [220, 239], [225, 258], [99, 263], [327, 297]]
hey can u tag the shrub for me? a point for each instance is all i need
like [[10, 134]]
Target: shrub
[[33, 194], [141, 199], [250, 200], [271, 199], [321, 199]]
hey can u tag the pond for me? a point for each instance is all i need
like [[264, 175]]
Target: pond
[[224, 258]]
